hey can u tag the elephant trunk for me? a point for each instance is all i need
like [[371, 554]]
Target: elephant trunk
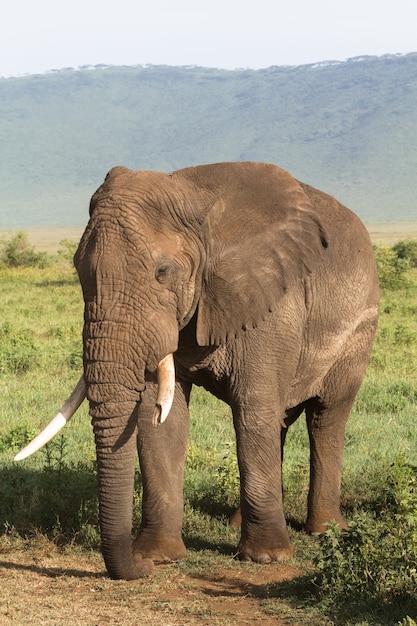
[[113, 406], [115, 468], [114, 391]]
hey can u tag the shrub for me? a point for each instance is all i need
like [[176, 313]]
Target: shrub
[[391, 268], [407, 249], [16, 251], [376, 559]]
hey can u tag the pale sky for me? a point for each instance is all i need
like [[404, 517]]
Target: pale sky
[[40, 35]]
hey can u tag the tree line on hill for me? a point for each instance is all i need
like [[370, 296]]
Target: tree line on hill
[[348, 128]]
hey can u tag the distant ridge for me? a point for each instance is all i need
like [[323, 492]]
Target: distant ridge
[[103, 66], [348, 127]]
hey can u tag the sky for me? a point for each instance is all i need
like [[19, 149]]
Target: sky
[[41, 35]]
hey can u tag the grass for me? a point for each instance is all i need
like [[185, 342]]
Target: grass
[[48, 504]]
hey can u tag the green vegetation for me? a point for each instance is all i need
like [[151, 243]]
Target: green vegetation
[[407, 249], [347, 128], [366, 575], [391, 266], [16, 251], [374, 563]]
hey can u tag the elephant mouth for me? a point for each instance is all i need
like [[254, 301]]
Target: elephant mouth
[[164, 400]]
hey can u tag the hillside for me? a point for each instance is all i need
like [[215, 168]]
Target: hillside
[[349, 128]]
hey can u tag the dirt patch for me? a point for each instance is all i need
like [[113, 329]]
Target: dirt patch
[[241, 594], [41, 584]]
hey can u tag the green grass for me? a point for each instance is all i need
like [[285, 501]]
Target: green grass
[[54, 491]]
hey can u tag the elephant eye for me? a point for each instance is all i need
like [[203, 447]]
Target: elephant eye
[[162, 272]]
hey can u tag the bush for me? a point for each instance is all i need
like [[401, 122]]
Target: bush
[[16, 251], [67, 250], [407, 249], [391, 268], [376, 559]]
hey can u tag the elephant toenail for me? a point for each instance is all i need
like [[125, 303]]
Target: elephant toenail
[[264, 559]]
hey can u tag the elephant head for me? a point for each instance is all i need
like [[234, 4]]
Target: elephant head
[[219, 245]]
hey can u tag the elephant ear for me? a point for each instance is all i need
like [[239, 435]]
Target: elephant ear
[[262, 236]]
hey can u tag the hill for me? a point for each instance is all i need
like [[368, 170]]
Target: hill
[[349, 128]]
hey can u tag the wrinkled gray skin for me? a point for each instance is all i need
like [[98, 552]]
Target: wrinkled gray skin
[[265, 290]]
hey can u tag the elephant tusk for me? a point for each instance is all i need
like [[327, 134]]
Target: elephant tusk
[[61, 418], [166, 389]]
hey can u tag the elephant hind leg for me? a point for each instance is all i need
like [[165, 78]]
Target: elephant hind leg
[[326, 428], [326, 423]]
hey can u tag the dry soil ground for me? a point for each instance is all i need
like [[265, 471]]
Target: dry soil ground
[[43, 585]]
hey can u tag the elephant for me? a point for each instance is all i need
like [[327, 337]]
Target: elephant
[[239, 278]]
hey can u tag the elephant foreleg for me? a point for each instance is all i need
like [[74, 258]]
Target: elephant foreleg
[[235, 519], [162, 451], [264, 535]]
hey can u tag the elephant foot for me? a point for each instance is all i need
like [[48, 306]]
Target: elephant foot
[[158, 548], [141, 567], [318, 522], [249, 552], [121, 564]]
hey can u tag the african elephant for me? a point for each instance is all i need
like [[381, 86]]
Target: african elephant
[[265, 292]]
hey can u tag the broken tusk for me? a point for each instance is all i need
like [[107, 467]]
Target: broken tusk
[[61, 418], [166, 389]]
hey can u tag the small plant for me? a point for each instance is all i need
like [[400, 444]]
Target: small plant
[[75, 356], [55, 453], [228, 481], [17, 438], [67, 250], [402, 496], [18, 353], [16, 251], [403, 336], [198, 457], [407, 621]]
